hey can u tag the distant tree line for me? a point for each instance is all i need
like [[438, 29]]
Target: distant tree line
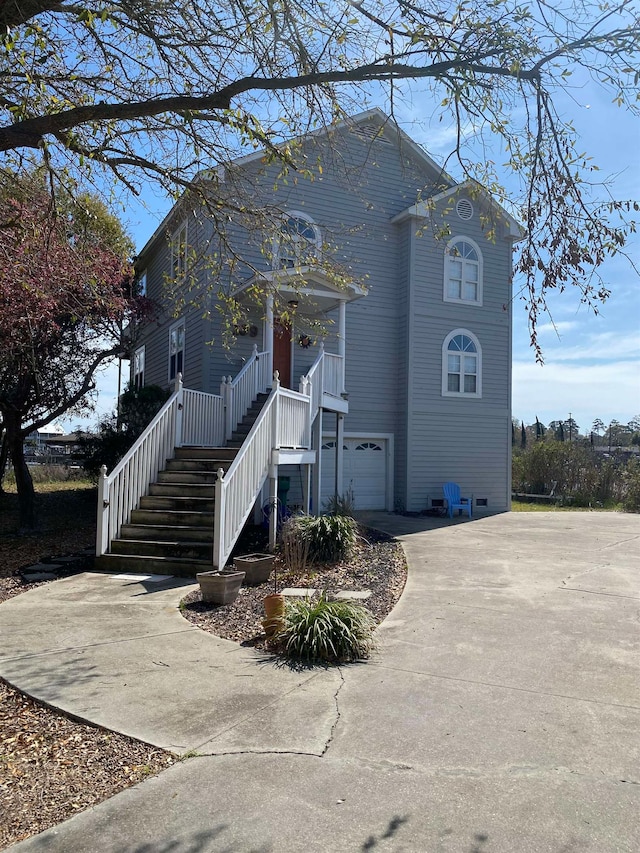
[[599, 468], [612, 435]]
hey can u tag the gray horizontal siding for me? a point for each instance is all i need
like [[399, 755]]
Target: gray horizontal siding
[[394, 335], [470, 451]]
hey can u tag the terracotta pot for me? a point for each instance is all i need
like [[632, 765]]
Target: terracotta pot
[[274, 605], [220, 587], [273, 622], [257, 567]]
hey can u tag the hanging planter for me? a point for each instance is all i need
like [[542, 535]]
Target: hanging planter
[[220, 587]]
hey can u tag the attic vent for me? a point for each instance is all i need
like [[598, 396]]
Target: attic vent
[[372, 132], [464, 208]]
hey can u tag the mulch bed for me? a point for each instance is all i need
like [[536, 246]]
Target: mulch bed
[[51, 766], [67, 518], [377, 564]]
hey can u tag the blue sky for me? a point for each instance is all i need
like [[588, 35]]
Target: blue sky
[[591, 363]]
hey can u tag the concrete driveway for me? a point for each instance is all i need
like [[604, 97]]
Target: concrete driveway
[[501, 713]]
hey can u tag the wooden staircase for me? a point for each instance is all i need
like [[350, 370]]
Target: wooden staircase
[[171, 531]]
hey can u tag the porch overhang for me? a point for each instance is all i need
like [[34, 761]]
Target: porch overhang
[[310, 287]]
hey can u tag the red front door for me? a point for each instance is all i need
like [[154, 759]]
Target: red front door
[[282, 352]]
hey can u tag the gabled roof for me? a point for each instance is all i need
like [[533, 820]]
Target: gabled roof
[[388, 125], [423, 209], [389, 129], [307, 283]]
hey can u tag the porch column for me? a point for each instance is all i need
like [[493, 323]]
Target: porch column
[[316, 505], [306, 489], [342, 342], [339, 453], [268, 336]]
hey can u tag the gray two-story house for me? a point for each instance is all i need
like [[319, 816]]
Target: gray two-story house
[[380, 292]]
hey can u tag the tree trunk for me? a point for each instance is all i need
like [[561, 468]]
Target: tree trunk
[[4, 456], [24, 483]]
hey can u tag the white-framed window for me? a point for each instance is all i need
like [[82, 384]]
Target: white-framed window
[[461, 365], [176, 349], [138, 368], [179, 246], [298, 243], [142, 283], [463, 272]]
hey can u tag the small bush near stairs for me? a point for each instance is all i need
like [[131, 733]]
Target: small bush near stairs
[[327, 631], [329, 538]]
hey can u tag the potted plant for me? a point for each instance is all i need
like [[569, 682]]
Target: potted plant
[[257, 567], [220, 587]]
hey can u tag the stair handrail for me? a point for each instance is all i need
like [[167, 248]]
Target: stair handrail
[[237, 490], [314, 381], [120, 491], [240, 393]]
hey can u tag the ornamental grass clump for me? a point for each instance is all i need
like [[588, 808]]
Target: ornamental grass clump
[[327, 631], [330, 538]]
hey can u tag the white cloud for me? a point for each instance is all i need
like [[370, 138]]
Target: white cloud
[[557, 328], [603, 347], [606, 391]]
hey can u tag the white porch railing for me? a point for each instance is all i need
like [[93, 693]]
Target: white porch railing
[[333, 374], [293, 428], [203, 420], [240, 392], [283, 422], [188, 417], [326, 376]]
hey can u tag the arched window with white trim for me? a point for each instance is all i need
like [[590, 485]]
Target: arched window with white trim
[[463, 272], [461, 365], [299, 242]]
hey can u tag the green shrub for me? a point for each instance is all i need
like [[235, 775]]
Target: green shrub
[[631, 485], [107, 446], [343, 504], [294, 547], [329, 631], [329, 538]]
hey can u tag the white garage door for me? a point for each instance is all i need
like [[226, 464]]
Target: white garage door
[[365, 471]]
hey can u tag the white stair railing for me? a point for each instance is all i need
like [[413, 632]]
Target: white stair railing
[[240, 393], [325, 376], [333, 374], [188, 417], [203, 419], [283, 422]]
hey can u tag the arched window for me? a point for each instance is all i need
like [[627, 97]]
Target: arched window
[[463, 272], [299, 241], [461, 365]]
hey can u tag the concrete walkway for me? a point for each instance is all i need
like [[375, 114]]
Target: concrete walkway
[[501, 713]]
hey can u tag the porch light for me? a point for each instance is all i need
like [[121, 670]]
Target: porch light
[[293, 304]]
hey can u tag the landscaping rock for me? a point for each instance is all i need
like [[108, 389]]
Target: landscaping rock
[[298, 591], [354, 594]]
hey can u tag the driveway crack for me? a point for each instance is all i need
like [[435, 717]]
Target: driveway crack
[[338, 714]]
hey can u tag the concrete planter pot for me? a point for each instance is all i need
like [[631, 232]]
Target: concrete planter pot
[[220, 587], [257, 567]]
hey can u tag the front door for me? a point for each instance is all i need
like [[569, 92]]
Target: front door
[[282, 352]]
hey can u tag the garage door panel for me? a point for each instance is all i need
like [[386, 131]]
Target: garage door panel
[[365, 472]]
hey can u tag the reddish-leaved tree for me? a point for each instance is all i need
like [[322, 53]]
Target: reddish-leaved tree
[[66, 294]]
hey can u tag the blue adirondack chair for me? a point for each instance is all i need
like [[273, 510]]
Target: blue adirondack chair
[[454, 501]]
